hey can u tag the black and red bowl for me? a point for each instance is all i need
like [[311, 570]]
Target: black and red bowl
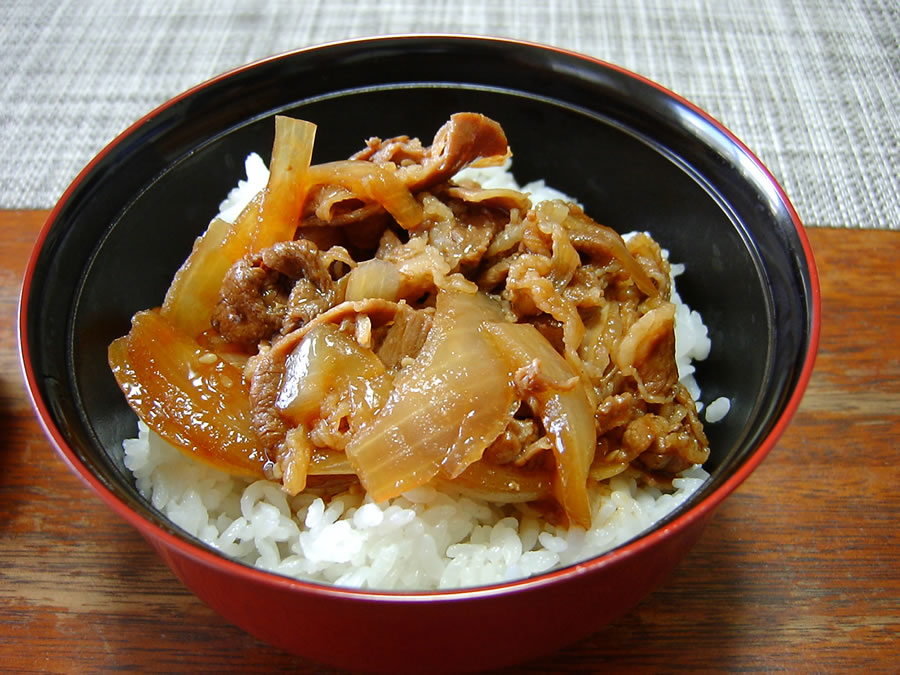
[[639, 158]]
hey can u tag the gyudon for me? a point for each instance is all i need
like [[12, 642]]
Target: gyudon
[[374, 326]]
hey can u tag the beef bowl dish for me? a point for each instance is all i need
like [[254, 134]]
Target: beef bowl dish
[[421, 334]]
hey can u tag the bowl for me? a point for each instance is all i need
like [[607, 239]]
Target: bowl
[[638, 156]]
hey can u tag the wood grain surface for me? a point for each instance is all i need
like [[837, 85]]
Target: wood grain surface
[[797, 571]]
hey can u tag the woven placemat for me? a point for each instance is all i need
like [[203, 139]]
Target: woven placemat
[[811, 87]]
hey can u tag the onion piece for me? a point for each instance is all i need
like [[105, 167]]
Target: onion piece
[[325, 462], [370, 183], [288, 184], [504, 483], [324, 362], [564, 409], [496, 197], [294, 460], [191, 397], [194, 290], [373, 279], [444, 410]]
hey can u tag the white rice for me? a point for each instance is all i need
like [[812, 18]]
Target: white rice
[[717, 410], [495, 177], [421, 540], [240, 195]]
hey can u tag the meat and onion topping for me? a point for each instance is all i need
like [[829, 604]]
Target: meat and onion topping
[[373, 320]]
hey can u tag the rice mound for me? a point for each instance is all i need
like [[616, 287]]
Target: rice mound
[[422, 540]]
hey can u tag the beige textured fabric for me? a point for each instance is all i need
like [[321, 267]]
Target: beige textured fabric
[[812, 87]]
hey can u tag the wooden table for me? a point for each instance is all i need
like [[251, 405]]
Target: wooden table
[[798, 570]]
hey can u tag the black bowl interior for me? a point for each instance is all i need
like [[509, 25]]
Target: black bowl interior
[[637, 157]]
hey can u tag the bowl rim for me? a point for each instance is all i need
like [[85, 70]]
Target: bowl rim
[[209, 557]]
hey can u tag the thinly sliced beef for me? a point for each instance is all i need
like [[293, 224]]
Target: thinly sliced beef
[[614, 411], [650, 256], [399, 150], [251, 303], [598, 241], [465, 139], [672, 439], [404, 337], [647, 353], [599, 301], [520, 437], [462, 232], [275, 290]]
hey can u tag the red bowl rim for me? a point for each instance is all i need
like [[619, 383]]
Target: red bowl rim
[[620, 554]]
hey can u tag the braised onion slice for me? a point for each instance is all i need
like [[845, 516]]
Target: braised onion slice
[[324, 462], [194, 290], [557, 395], [504, 483], [191, 397], [288, 182], [373, 279], [445, 408], [294, 460], [371, 182], [328, 363]]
